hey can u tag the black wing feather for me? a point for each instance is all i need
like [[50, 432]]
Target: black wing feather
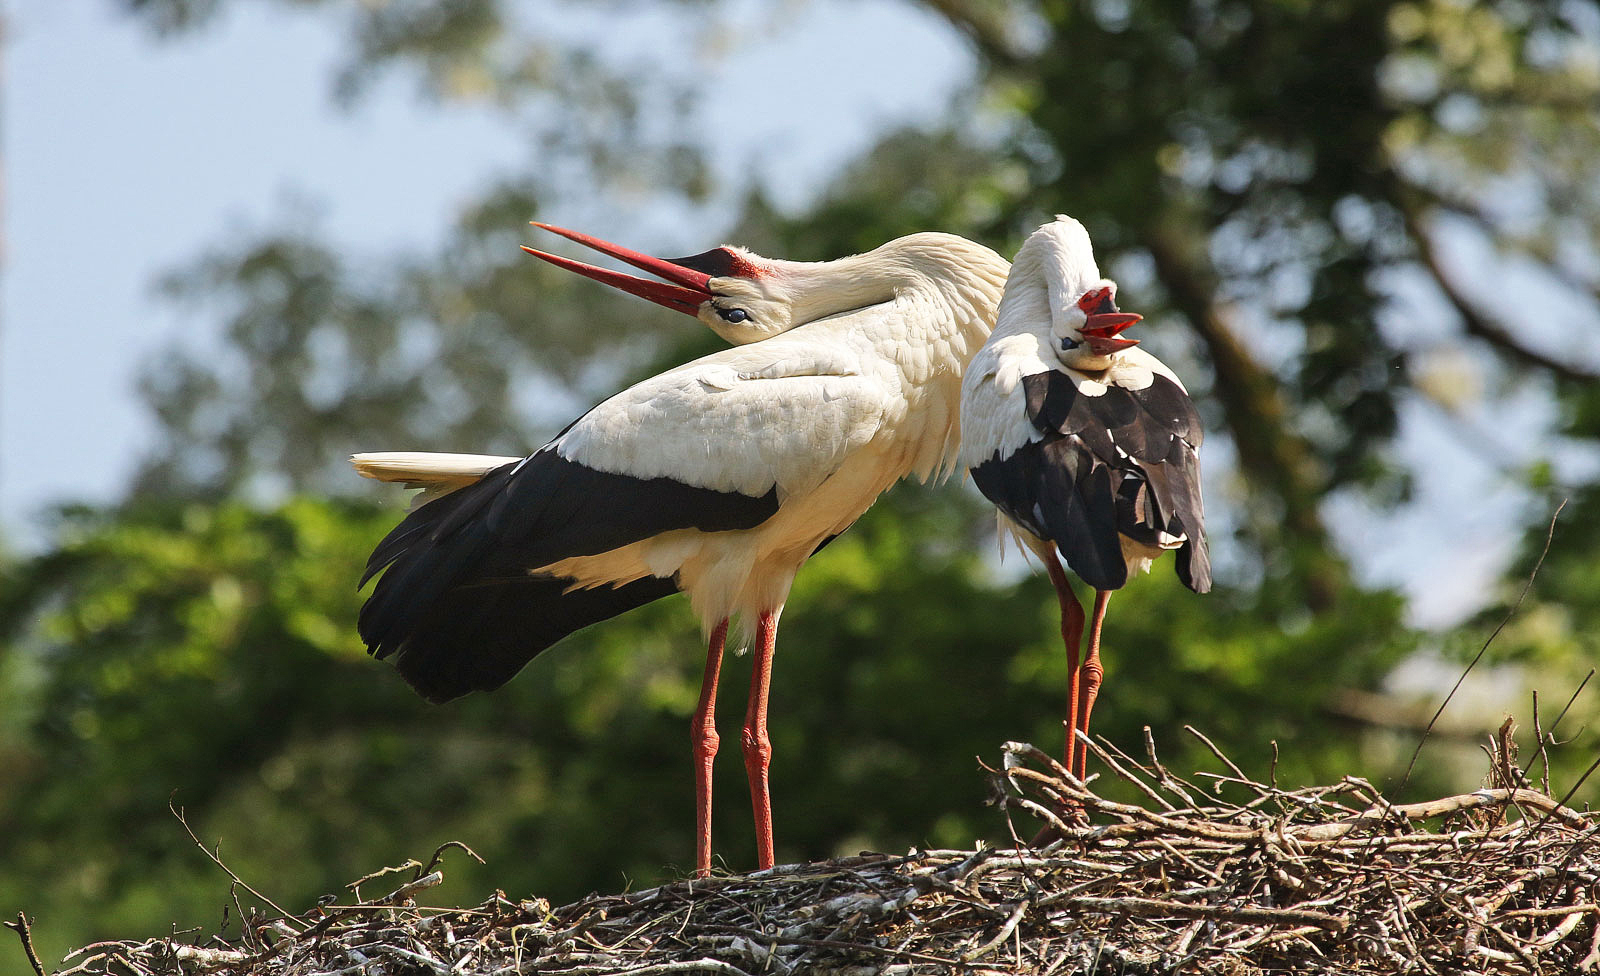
[[456, 608], [1123, 463]]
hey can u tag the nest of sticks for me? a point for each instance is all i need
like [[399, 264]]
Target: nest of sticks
[[1332, 879]]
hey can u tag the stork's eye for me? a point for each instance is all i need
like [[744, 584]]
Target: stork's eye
[[1068, 344], [734, 315]]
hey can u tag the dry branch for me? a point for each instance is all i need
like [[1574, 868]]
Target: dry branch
[[25, 932], [1324, 880]]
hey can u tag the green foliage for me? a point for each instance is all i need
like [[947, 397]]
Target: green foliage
[[1257, 173], [205, 655]]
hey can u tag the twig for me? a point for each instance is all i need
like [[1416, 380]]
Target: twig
[[662, 969], [1160, 908], [1542, 756], [1126, 774], [1009, 927], [1168, 781], [1571, 701], [24, 930], [177, 812], [438, 855], [1591, 960], [1548, 539], [1562, 803], [1549, 737], [411, 864], [1216, 752]]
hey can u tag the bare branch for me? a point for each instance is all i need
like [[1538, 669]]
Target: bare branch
[[177, 812], [24, 932], [1470, 211], [1478, 323], [1279, 461], [1548, 539]]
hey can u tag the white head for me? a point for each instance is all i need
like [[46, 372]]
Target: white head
[[1084, 321], [743, 296]]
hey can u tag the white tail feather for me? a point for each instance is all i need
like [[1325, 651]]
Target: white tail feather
[[435, 474]]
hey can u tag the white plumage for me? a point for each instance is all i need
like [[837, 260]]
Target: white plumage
[[718, 478], [830, 415], [436, 474]]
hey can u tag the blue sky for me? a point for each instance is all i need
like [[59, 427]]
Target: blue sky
[[126, 157]]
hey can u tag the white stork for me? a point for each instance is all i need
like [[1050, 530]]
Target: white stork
[[1086, 444], [718, 478]]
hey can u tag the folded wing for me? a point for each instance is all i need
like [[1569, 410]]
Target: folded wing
[[714, 446], [1103, 466]]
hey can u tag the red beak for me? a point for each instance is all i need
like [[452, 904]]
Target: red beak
[[1109, 323], [690, 288], [1106, 345], [1101, 328]]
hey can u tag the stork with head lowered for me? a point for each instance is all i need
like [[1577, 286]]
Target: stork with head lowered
[[1086, 444]]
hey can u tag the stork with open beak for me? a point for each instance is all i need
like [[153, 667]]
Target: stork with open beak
[[1086, 444], [718, 478]]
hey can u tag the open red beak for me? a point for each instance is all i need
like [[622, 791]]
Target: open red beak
[[1103, 323], [688, 291], [1100, 332]]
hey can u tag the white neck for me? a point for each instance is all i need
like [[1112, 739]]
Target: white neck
[[949, 269], [1054, 267]]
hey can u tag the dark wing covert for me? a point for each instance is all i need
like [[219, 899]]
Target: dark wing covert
[[1121, 463]]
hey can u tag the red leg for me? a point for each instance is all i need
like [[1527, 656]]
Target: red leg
[[1071, 636], [757, 745], [1093, 674], [704, 734]]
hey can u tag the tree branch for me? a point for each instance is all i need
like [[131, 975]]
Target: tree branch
[[177, 812], [1474, 320], [1279, 461], [984, 25], [25, 932], [1467, 210]]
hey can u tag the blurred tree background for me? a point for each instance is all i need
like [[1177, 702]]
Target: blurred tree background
[[1339, 218]]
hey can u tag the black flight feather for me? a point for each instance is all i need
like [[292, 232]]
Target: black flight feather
[[456, 608]]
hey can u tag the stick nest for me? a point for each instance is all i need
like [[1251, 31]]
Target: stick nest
[[1329, 879]]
